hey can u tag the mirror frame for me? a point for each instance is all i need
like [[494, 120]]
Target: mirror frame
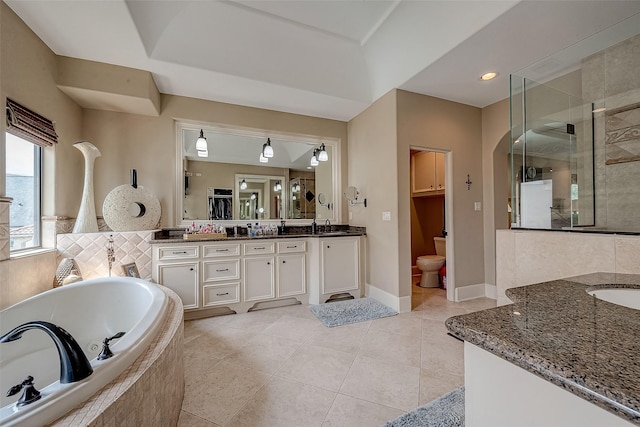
[[334, 143]]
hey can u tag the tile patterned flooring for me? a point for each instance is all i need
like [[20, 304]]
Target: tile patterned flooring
[[282, 367]]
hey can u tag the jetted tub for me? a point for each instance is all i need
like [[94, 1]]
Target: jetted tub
[[90, 311]]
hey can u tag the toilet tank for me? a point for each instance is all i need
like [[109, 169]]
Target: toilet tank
[[441, 246]]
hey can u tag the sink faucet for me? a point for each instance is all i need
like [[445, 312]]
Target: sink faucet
[[327, 225], [74, 365]]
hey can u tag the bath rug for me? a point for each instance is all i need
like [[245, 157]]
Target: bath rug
[[445, 411], [351, 311]]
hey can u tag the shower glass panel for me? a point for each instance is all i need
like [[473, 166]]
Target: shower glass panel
[[552, 185]]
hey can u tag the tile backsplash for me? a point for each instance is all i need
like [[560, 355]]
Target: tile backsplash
[[90, 252]]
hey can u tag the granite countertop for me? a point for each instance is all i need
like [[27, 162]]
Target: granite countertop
[[559, 332], [174, 235]]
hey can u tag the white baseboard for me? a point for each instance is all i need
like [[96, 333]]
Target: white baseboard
[[490, 291], [399, 304], [479, 290]]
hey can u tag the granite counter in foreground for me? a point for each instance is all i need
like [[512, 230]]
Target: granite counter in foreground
[[557, 331]]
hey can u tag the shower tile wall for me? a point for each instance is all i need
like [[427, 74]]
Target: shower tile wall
[[90, 252], [611, 76]]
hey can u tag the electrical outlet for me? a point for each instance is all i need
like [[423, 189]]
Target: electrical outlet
[[477, 206], [386, 216]]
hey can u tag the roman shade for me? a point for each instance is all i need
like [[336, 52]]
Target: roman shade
[[29, 125]]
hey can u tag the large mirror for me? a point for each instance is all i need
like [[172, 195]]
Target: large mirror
[[232, 181]]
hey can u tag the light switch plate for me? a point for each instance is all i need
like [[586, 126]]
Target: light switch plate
[[386, 216], [477, 206]]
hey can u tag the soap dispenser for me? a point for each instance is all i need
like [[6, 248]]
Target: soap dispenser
[[314, 227]]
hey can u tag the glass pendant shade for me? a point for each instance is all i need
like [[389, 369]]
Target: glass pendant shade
[[201, 143], [263, 159], [203, 153], [314, 159], [243, 185], [323, 156], [267, 149]]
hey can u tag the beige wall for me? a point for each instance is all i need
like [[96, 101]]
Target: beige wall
[[148, 144], [495, 179], [373, 171], [28, 75], [428, 122]]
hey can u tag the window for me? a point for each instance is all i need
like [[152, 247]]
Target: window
[[28, 134], [23, 184]]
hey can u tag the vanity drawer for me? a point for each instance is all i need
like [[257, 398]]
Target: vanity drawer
[[259, 248], [213, 251], [294, 246], [220, 294], [220, 270], [177, 252]]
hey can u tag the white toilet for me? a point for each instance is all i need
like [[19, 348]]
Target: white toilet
[[430, 265]]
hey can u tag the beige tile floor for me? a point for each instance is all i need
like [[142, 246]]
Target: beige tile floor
[[282, 367]]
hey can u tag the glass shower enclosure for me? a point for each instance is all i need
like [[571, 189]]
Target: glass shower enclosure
[[552, 158]]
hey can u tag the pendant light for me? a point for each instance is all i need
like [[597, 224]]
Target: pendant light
[[277, 186], [243, 184], [323, 156], [201, 143], [267, 149], [314, 158], [263, 159], [203, 153]]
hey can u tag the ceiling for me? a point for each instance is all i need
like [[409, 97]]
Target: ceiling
[[322, 58]]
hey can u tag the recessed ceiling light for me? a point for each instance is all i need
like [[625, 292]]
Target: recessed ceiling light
[[488, 76]]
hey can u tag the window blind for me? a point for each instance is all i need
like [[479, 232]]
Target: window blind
[[29, 125]]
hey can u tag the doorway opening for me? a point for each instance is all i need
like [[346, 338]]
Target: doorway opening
[[431, 227]]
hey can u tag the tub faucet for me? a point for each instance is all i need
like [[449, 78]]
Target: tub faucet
[[327, 225], [74, 365]]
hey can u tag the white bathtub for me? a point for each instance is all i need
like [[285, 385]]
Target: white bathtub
[[90, 311]]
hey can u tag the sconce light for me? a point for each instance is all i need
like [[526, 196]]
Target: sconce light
[[263, 159], [314, 158], [267, 149], [277, 186], [253, 196], [323, 156], [243, 184], [203, 153], [201, 143], [293, 197]]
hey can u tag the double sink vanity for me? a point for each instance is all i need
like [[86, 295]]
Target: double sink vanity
[[565, 353], [239, 273]]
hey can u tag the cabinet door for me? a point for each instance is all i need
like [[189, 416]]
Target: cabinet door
[[291, 275], [340, 265], [439, 171], [258, 278], [182, 278], [423, 174]]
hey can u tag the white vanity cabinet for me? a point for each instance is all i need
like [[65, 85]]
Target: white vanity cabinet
[[242, 273], [291, 269], [336, 267], [177, 268], [220, 274]]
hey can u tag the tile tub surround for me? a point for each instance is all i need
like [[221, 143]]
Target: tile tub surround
[[150, 392], [557, 331]]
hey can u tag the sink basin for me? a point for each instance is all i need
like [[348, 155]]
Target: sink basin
[[627, 297]]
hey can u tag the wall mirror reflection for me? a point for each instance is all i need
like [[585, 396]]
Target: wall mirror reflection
[[233, 174]]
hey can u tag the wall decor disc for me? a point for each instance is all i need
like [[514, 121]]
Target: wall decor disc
[[131, 209]]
